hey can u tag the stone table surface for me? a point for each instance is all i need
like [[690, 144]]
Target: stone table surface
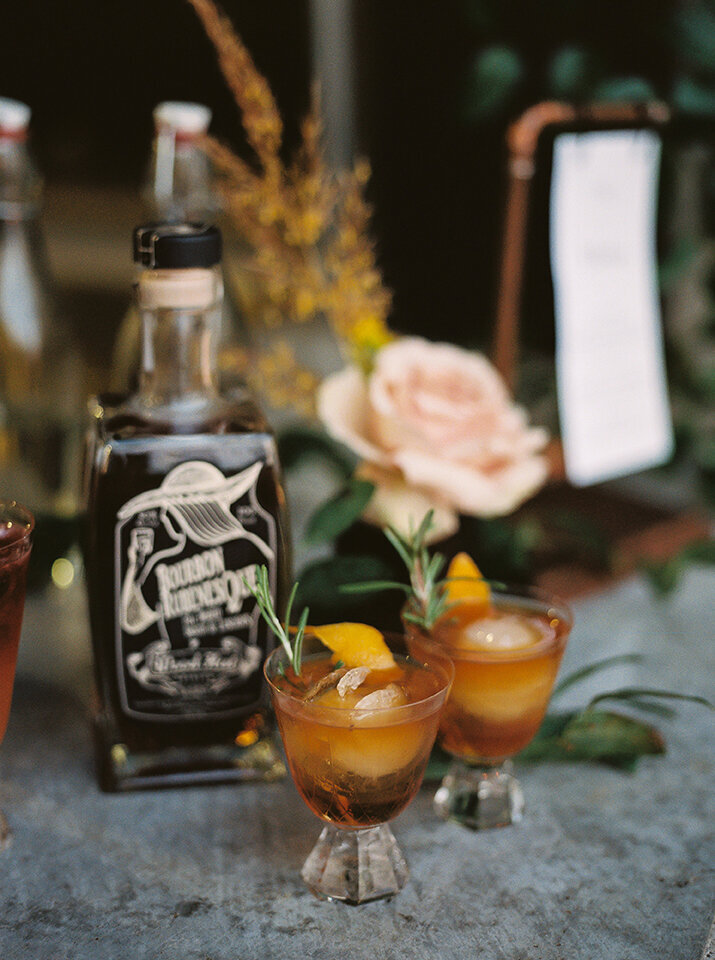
[[604, 866]]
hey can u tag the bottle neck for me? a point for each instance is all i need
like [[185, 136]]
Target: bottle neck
[[20, 183], [180, 312], [179, 184]]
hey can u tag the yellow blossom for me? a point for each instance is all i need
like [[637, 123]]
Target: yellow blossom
[[304, 227], [304, 303], [369, 330]]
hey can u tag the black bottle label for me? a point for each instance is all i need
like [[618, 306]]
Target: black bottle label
[[189, 637]]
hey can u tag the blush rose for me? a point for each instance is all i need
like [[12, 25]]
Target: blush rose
[[439, 420]]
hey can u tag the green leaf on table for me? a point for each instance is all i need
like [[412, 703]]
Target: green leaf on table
[[580, 736], [610, 737], [300, 443], [594, 736], [583, 672], [641, 694], [652, 706], [334, 517]]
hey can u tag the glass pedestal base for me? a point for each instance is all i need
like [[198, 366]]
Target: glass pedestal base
[[480, 796], [355, 866]]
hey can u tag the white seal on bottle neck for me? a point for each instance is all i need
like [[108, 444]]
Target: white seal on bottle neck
[[190, 119], [194, 288]]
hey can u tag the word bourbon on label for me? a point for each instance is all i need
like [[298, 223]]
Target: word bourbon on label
[[184, 505]]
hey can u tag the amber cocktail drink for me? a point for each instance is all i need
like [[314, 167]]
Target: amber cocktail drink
[[506, 653], [16, 524], [357, 743]]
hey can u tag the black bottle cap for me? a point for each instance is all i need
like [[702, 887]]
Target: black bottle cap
[[177, 246]]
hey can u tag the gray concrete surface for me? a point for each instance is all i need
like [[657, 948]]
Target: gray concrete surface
[[605, 866]]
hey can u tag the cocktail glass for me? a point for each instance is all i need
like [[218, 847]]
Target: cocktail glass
[[506, 660], [357, 767], [16, 525]]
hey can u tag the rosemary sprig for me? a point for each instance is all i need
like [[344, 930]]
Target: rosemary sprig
[[428, 596], [425, 589], [262, 592]]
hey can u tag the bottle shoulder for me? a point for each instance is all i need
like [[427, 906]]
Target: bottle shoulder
[[123, 418]]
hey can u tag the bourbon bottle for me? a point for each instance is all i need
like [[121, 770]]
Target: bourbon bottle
[[184, 503]]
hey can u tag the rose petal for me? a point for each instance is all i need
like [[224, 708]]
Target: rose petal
[[470, 490], [344, 409], [473, 369], [398, 504], [437, 424]]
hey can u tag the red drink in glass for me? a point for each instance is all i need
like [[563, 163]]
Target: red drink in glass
[[16, 525]]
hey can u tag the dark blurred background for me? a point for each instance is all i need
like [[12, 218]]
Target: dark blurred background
[[93, 73], [434, 87]]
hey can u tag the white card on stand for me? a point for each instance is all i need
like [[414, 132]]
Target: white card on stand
[[610, 369]]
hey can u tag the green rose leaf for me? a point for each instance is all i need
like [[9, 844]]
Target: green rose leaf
[[334, 517], [298, 444]]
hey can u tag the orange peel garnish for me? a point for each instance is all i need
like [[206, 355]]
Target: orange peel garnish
[[465, 584], [356, 644]]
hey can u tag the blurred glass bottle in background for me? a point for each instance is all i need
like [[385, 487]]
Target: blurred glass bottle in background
[[178, 188], [40, 366], [178, 185]]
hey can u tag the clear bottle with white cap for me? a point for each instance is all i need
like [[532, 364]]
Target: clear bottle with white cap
[[185, 504], [40, 365], [178, 188]]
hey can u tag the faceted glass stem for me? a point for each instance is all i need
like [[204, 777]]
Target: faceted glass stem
[[355, 866], [480, 796]]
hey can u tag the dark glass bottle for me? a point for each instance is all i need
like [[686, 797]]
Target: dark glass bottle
[[184, 503]]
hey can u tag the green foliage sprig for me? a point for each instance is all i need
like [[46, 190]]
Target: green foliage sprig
[[425, 587], [262, 592], [591, 734], [429, 600]]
